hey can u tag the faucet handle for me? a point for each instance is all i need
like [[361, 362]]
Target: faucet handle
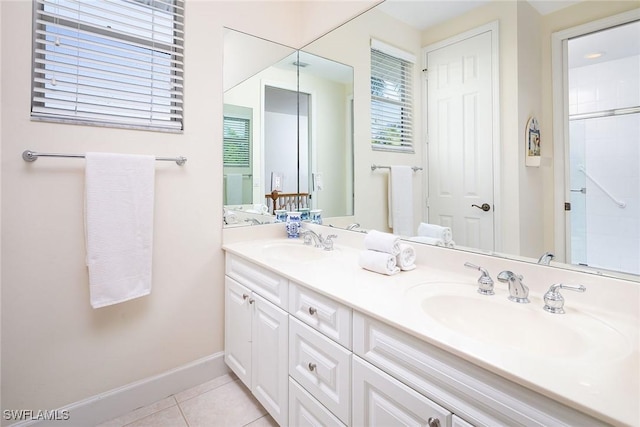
[[485, 281], [554, 301], [328, 243]]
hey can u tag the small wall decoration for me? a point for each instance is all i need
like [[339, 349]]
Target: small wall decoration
[[532, 141]]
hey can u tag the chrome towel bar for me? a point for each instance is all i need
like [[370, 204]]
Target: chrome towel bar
[[414, 168], [32, 156]]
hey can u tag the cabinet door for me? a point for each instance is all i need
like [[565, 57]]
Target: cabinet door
[[237, 329], [380, 400], [270, 335]]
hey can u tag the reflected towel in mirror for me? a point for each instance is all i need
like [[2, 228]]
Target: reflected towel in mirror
[[401, 200], [233, 189]]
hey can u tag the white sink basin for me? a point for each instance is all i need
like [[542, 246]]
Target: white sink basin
[[295, 251], [496, 321]]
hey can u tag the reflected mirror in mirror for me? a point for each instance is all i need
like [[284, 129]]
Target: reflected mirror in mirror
[[470, 140], [291, 125]]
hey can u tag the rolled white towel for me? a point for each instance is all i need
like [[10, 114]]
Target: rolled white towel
[[406, 259], [437, 231], [379, 262], [428, 240], [382, 242]]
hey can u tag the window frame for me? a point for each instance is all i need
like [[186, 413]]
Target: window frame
[[103, 39], [383, 102]]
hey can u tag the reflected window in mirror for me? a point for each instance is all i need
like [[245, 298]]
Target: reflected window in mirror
[[391, 98], [237, 154]]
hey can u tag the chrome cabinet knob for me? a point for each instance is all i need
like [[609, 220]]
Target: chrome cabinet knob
[[245, 296], [312, 310], [312, 366], [433, 422]]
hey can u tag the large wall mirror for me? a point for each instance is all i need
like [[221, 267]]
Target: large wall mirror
[[516, 38], [288, 140]]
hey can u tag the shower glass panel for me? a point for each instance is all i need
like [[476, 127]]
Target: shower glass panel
[[604, 149]]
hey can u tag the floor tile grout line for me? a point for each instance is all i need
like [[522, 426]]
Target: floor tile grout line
[[184, 416]]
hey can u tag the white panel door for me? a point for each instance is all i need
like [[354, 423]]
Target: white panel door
[[237, 337], [460, 128], [270, 352], [380, 400]]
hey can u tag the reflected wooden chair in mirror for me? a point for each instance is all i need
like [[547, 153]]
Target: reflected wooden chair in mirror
[[289, 201]]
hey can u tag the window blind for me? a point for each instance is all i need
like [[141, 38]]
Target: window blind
[[109, 62], [236, 142], [391, 100]]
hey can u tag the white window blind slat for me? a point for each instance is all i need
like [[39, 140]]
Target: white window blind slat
[[391, 99], [115, 62]]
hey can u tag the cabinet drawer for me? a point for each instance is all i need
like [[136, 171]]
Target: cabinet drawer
[[321, 313], [380, 400], [322, 367], [269, 285], [304, 410], [475, 394]]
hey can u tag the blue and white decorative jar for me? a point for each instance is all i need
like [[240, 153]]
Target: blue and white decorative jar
[[316, 216], [293, 225], [304, 214], [281, 215]]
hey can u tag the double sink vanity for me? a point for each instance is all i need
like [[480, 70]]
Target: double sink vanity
[[320, 341]]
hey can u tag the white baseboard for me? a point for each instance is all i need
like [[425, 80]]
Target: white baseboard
[[113, 403]]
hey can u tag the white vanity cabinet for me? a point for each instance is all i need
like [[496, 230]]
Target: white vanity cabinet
[[256, 334], [311, 360]]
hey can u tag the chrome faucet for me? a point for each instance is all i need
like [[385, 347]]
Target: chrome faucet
[[518, 291], [311, 237], [352, 226], [546, 258], [554, 301], [485, 282]]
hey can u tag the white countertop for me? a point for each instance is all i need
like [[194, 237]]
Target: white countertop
[[608, 390]]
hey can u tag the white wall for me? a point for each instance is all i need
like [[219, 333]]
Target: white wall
[[56, 349], [351, 45]]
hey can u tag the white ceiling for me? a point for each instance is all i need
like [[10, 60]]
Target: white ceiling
[[422, 14]]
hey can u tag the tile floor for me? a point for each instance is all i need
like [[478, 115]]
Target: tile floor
[[223, 401]]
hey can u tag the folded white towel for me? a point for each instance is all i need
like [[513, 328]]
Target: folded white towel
[[433, 230], [406, 259], [379, 262], [383, 242], [119, 192]]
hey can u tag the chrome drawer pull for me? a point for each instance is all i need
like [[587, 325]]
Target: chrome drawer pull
[[312, 310], [312, 366], [433, 422]]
